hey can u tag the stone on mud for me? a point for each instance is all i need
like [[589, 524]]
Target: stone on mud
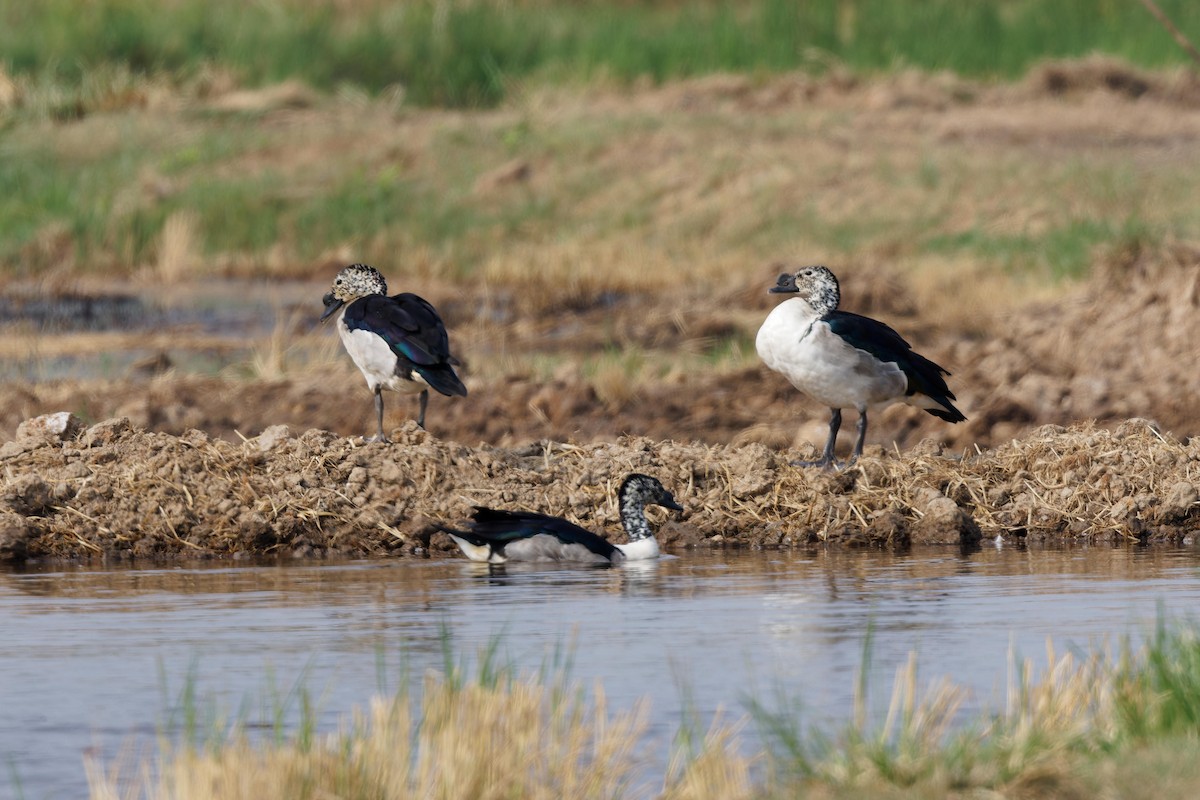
[[48, 428], [28, 495], [1182, 500], [273, 436], [942, 521], [890, 526], [15, 533], [107, 432]]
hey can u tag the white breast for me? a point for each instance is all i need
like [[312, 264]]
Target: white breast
[[640, 550], [376, 360], [795, 343]]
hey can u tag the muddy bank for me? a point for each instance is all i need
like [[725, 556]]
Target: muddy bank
[[1116, 346], [114, 491]]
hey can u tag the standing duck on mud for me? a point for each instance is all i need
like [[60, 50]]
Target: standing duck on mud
[[845, 360], [398, 343], [499, 536]]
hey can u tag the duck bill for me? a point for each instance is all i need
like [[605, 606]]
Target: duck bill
[[332, 304], [785, 285], [669, 502]]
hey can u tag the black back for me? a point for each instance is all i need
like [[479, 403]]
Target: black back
[[414, 332], [497, 528]]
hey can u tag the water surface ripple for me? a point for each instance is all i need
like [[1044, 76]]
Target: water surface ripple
[[94, 659]]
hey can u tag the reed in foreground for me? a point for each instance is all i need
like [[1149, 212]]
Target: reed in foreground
[[495, 736], [1085, 724]]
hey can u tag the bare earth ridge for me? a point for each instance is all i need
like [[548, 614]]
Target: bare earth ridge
[[114, 491]]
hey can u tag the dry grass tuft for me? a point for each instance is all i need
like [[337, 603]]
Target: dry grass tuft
[[1069, 708], [514, 738], [177, 256], [616, 378], [575, 276], [10, 92], [292, 351], [1078, 725], [1068, 730], [715, 771], [1102, 73]]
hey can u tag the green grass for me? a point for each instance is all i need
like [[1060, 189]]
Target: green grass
[[106, 188], [101, 152], [470, 52], [110, 188], [1088, 721], [39, 188], [1063, 252], [96, 194]]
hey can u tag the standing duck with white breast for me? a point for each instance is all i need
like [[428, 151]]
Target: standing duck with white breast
[[398, 343], [845, 360]]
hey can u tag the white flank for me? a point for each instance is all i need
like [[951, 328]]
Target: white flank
[[475, 552], [821, 364], [376, 360]]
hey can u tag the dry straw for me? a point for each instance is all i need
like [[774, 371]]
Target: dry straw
[[120, 490], [514, 738]]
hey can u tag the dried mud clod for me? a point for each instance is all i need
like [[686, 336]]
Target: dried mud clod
[[116, 491]]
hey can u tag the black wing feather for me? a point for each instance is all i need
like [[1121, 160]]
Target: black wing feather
[[414, 332], [495, 526], [874, 337]]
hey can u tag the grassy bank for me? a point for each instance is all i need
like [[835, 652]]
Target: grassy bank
[[568, 196], [134, 137], [470, 52], [1085, 725]]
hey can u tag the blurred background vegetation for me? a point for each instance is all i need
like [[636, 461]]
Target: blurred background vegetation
[[467, 53], [528, 140]]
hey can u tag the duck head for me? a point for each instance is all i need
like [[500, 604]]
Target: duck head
[[817, 285], [637, 492], [353, 282], [644, 490]]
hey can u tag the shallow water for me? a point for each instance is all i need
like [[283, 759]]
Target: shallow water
[[238, 314], [93, 660]]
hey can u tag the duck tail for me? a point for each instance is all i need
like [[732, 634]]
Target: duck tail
[[444, 379], [946, 410]]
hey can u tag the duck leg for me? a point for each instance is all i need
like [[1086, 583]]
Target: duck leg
[[424, 401], [379, 437], [862, 435], [826, 459]]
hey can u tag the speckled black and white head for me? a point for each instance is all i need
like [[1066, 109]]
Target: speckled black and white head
[[636, 493], [353, 282], [816, 285]]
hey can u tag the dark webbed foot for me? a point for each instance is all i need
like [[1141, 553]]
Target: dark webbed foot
[[823, 463]]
